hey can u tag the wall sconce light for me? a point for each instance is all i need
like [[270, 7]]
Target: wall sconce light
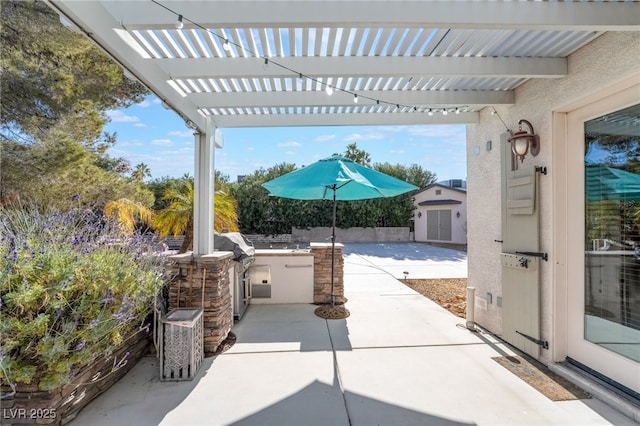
[[524, 142], [419, 214], [458, 215]]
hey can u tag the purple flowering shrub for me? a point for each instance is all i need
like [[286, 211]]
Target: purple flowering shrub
[[71, 288]]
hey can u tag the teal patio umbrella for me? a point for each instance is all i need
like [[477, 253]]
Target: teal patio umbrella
[[608, 183], [336, 178]]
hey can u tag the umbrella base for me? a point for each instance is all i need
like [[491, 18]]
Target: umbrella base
[[332, 312]]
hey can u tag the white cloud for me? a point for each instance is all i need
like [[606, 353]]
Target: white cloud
[[117, 116], [180, 151], [289, 144], [144, 104], [397, 151], [289, 152], [324, 138], [352, 137], [162, 142], [250, 148], [369, 136], [181, 133], [438, 131], [129, 143], [139, 125]]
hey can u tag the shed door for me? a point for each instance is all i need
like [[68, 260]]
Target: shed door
[[520, 272], [439, 225]]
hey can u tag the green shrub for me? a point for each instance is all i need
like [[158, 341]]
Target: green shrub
[[71, 289]]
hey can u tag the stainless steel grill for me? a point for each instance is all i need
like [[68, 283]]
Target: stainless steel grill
[[243, 257]]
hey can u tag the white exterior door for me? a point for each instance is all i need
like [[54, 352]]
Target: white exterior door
[[603, 236]]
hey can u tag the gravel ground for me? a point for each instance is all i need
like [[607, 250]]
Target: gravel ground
[[450, 293]]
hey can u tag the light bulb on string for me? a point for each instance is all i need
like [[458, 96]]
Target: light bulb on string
[[179, 24], [457, 111], [445, 112]]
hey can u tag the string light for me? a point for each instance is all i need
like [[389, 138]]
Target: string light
[[494, 112], [329, 89]]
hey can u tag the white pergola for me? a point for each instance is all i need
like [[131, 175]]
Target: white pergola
[[253, 63]]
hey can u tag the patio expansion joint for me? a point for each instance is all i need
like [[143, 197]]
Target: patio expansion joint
[[338, 376], [278, 351], [435, 345]]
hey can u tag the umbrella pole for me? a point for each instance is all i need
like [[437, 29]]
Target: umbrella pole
[[333, 245]]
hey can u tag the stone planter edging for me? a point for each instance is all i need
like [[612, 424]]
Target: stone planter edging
[[30, 405]]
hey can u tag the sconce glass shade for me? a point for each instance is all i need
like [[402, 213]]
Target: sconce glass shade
[[524, 142], [520, 146]]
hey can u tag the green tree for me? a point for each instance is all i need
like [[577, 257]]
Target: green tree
[[140, 172], [358, 155], [261, 214], [56, 86], [414, 174], [59, 173], [177, 218], [128, 214], [50, 73]]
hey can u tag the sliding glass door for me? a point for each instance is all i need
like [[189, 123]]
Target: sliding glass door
[[604, 267]]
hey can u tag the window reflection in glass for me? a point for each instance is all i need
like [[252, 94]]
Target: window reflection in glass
[[612, 230]]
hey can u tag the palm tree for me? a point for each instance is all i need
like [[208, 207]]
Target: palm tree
[[128, 214], [177, 218], [358, 155], [140, 172]]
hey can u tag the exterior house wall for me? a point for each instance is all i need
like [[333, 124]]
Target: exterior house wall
[[458, 224], [610, 58]]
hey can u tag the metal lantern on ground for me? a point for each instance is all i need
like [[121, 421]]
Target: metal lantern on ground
[[336, 178]]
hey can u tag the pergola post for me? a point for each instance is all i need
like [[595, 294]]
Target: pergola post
[[203, 194]]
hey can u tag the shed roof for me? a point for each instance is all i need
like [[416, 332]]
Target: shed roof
[[439, 202], [438, 185]]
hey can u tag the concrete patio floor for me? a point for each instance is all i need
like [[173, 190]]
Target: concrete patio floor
[[399, 359]]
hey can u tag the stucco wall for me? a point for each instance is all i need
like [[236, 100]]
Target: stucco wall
[[610, 58], [458, 224]]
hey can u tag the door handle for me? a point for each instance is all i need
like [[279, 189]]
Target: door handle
[[543, 256]]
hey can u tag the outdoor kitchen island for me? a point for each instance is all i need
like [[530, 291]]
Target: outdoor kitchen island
[[296, 275], [281, 276]]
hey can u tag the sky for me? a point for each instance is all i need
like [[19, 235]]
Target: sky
[[148, 133]]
